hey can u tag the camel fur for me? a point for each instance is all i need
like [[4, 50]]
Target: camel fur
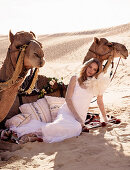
[[103, 50], [42, 81], [33, 58]]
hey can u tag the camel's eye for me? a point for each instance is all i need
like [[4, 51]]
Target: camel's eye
[[36, 55], [18, 46]]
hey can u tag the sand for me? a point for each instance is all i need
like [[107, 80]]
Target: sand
[[105, 148]]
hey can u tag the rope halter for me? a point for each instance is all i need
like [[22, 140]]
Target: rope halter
[[16, 73]]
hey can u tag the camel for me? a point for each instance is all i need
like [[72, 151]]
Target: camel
[[24, 53], [103, 50], [59, 91], [100, 48]]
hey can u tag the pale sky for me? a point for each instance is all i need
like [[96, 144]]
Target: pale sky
[[56, 16]]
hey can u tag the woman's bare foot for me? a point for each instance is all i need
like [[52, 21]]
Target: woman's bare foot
[[29, 138]]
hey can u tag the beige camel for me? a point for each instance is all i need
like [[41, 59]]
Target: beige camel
[[102, 49], [24, 52]]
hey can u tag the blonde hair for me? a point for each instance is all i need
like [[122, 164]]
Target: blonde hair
[[82, 75]]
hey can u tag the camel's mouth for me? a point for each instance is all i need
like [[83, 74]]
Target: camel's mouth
[[41, 63], [124, 55], [121, 50]]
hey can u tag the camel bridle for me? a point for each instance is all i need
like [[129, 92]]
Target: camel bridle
[[112, 48], [99, 55], [19, 70], [110, 59], [20, 49]]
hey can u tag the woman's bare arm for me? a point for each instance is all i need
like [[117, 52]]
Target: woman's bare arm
[[101, 107], [68, 98]]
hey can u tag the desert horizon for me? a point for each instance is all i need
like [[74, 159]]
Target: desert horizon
[[102, 148]]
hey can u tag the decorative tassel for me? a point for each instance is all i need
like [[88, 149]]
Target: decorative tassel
[[33, 82]]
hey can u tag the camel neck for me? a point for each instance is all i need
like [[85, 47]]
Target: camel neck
[[8, 69]]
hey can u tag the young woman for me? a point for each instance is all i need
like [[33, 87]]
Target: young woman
[[72, 114]]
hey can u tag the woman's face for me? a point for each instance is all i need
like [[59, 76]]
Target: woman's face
[[92, 69]]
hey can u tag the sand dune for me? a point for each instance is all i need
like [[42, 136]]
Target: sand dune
[[103, 148]]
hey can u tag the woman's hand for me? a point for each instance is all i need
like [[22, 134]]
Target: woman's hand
[[82, 123], [105, 119]]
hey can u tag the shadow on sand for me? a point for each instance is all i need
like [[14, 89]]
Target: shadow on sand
[[88, 151]]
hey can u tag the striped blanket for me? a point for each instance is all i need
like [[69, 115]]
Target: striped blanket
[[93, 121]]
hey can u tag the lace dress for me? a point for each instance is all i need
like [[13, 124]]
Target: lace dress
[[65, 125]]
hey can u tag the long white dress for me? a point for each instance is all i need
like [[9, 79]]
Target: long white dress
[[65, 125]]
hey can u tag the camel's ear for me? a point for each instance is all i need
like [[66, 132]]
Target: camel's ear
[[33, 34], [11, 36], [96, 40], [103, 41]]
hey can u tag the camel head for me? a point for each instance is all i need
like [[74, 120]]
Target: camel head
[[34, 56], [103, 49], [120, 50]]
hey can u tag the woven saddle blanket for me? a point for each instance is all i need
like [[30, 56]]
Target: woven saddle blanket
[[93, 121]]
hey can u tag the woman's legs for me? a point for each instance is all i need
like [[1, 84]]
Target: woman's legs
[[62, 128]]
